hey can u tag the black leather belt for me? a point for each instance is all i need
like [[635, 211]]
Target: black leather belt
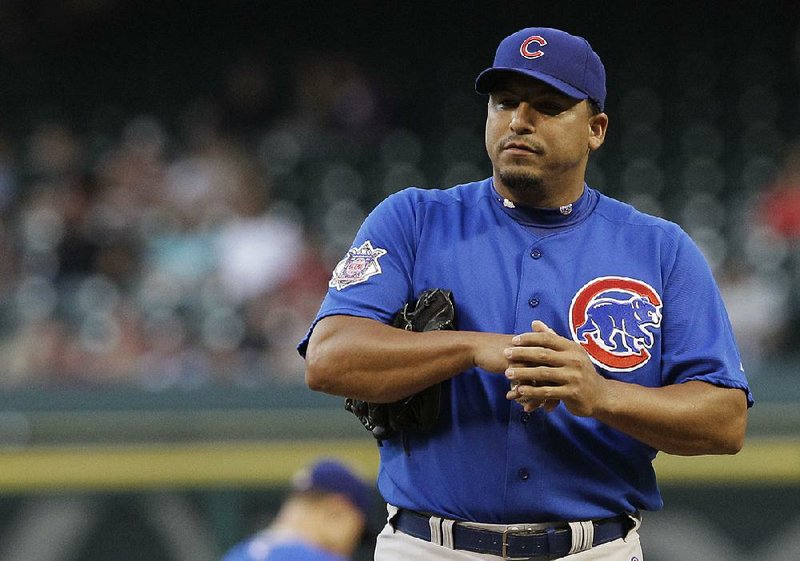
[[548, 543]]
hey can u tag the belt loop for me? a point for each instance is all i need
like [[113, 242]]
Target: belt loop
[[436, 529], [582, 536], [447, 533], [635, 521], [392, 513], [551, 543]]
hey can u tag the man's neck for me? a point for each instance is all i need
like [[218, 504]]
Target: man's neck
[[541, 195]]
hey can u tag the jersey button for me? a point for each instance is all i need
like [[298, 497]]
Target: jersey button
[[536, 254], [524, 417], [523, 474], [533, 302]]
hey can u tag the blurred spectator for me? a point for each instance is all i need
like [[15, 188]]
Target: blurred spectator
[[779, 208], [286, 311], [758, 307], [323, 519], [334, 93], [54, 152], [248, 97], [258, 245]]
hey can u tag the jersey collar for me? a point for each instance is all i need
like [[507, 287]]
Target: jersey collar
[[548, 217]]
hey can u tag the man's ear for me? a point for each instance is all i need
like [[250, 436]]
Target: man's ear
[[598, 125]]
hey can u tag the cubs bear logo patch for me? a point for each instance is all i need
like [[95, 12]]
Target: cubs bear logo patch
[[359, 264], [614, 320]]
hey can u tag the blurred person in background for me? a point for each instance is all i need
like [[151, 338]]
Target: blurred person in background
[[779, 208], [323, 518], [759, 309], [777, 229]]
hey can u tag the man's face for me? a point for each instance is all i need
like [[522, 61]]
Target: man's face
[[535, 135]]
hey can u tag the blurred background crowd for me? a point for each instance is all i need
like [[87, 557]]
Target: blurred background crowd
[[177, 184]]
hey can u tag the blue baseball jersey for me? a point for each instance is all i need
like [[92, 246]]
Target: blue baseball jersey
[[267, 546], [632, 289]]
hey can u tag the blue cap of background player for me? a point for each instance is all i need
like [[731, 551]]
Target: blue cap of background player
[[331, 476], [565, 62]]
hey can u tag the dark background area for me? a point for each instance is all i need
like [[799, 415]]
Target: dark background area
[[75, 58]]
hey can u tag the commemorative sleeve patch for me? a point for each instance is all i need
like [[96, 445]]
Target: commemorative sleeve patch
[[359, 264]]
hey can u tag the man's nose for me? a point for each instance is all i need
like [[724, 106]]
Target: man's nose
[[523, 120]]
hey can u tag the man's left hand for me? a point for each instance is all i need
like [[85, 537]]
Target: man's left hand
[[547, 369]]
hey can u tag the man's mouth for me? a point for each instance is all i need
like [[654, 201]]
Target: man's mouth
[[516, 146]]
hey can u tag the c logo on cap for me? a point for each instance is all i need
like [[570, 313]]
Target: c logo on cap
[[523, 49]]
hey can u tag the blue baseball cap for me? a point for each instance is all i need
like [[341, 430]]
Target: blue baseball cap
[[566, 62], [331, 476]]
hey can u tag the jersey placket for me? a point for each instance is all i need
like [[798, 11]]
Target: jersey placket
[[524, 479]]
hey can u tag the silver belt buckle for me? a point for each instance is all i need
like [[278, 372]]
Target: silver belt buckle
[[516, 530]]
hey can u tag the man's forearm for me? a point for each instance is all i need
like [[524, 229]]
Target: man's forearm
[[686, 419], [362, 358]]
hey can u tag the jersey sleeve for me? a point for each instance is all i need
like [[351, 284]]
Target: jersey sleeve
[[373, 279], [699, 342], [238, 553]]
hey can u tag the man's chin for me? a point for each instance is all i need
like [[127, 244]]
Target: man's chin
[[520, 182]]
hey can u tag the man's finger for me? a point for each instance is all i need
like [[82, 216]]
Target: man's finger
[[547, 339], [538, 326]]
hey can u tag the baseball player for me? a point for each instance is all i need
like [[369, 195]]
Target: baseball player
[[323, 519], [590, 336]]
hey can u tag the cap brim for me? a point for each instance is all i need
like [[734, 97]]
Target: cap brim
[[487, 79]]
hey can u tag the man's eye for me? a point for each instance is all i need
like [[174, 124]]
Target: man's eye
[[550, 108]]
